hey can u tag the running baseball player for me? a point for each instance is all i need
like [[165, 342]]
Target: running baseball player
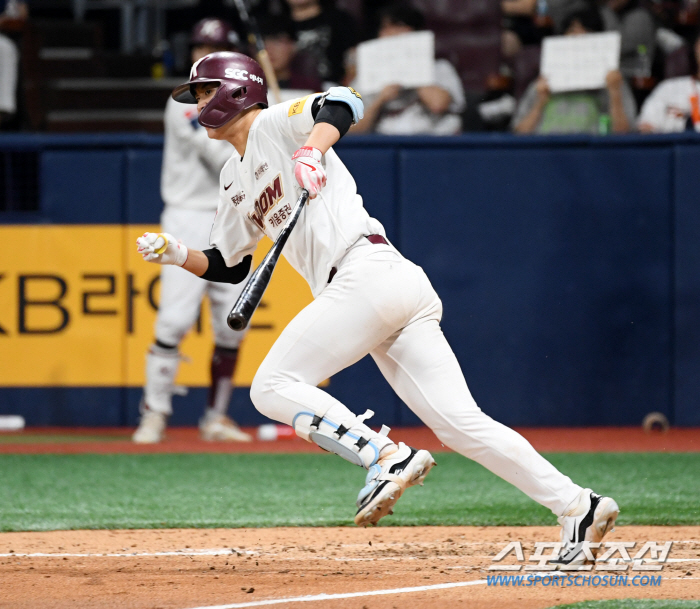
[[368, 299], [190, 189]]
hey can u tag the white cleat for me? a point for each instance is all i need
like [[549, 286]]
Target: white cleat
[[589, 520], [388, 479], [220, 428], [151, 429]]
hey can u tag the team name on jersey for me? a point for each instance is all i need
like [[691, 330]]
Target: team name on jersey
[[263, 167], [266, 201]]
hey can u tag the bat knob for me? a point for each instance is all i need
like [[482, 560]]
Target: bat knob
[[236, 321]]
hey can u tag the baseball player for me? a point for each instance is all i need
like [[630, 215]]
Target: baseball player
[[368, 298], [189, 187]]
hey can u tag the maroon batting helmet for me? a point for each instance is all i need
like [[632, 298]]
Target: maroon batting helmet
[[214, 32], [241, 84]]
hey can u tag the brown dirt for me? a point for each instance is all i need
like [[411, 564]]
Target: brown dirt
[[234, 567], [186, 440]]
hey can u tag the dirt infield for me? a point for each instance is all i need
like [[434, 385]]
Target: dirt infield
[[186, 440], [184, 569]]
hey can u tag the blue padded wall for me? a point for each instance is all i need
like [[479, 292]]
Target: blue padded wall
[[554, 271], [82, 187], [687, 294]]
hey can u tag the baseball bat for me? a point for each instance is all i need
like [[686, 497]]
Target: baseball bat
[[256, 40], [253, 291]]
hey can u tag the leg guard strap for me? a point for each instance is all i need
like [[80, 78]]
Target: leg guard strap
[[351, 439]]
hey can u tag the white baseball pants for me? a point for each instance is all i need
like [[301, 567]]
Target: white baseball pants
[[382, 304], [181, 292]]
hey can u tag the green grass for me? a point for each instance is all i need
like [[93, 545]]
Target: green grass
[[47, 492], [631, 603]]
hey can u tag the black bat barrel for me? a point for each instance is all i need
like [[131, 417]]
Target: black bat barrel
[[252, 293]]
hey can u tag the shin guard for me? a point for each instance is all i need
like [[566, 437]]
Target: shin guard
[[347, 437]]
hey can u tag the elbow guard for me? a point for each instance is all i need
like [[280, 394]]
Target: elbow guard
[[348, 96]]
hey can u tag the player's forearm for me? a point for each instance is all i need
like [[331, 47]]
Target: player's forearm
[[322, 137], [210, 265], [196, 262]]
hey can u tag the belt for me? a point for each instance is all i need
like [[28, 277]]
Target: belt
[[375, 239]]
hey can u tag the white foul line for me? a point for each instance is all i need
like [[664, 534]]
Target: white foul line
[[330, 597]]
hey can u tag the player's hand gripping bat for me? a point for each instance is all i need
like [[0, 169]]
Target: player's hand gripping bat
[[253, 291], [255, 39]]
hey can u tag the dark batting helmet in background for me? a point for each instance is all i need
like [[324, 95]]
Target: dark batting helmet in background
[[214, 32], [241, 86]]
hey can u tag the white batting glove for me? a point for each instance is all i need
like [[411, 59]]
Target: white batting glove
[[162, 248], [308, 170]]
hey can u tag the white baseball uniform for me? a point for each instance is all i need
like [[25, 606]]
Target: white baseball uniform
[[377, 302], [189, 187]]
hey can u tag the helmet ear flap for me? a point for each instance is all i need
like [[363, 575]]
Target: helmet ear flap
[[216, 113]]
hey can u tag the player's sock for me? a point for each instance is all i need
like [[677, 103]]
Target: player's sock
[[223, 364]]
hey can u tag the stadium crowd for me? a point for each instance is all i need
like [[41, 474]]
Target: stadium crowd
[[487, 60]]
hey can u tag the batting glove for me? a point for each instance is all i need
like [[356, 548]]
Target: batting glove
[[162, 248], [308, 170]]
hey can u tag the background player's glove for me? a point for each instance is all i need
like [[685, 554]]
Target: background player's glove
[[161, 248], [308, 170]]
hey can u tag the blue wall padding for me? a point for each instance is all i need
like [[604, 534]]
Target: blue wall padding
[[82, 187], [555, 284], [569, 268], [686, 399], [143, 203]]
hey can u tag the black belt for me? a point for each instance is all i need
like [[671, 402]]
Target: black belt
[[376, 239]]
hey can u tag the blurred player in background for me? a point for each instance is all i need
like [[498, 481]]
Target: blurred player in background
[[190, 190]]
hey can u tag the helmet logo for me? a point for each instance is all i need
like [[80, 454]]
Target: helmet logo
[[193, 71], [211, 28], [236, 74]]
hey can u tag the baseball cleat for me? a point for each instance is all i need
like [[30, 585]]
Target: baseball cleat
[[151, 429], [590, 520], [388, 479], [215, 427]]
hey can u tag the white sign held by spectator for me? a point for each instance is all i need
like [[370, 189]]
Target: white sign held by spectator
[[579, 63], [407, 60]]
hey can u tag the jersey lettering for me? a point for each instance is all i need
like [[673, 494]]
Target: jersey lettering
[[268, 198], [236, 74]]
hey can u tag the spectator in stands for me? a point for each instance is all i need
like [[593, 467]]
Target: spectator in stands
[[281, 46], [675, 103], [9, 59], [528, 21], [326, 33], [638, 30], [541, 111], [433, 109]]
